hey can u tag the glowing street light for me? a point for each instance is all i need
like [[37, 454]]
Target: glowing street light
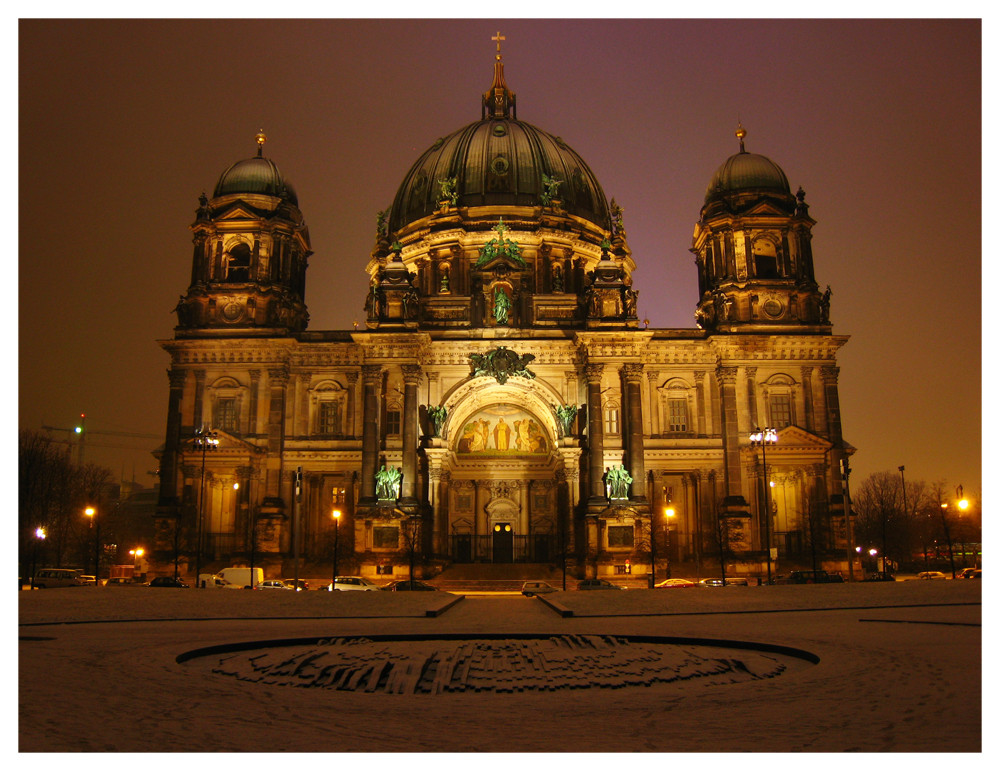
[[95, 522], [39, 536], [336, 547]]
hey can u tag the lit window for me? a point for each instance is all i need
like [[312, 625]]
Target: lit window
[[225, 414], [781, 410], [328, 420], [677, 415], [611, 420], [392, 423]]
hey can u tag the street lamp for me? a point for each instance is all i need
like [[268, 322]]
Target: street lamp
[[39, 536], [206, 440], [761, 438], [336, 547], [670, 513], [136, 555], [95, 522]]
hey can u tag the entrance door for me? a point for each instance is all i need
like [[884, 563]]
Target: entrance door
[[503, 542]]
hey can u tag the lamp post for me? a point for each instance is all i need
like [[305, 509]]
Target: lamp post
[[136, 555], [95, 522], [670, 513], [336, 547], [652, 548], [761, 438], [39, 536], [206, 440], [845, 475]]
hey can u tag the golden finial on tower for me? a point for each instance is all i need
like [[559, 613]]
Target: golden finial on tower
[[740, 133], [261, 139], [498, 38]]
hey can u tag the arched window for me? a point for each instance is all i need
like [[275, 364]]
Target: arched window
[[675, 404], [779, 395], [765, 258], [238, 264]]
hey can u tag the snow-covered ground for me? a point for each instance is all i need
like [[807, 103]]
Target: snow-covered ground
[[899, 669]]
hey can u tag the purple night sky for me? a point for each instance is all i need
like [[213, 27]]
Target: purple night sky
[[123, 124]]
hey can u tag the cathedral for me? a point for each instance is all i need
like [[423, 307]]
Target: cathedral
[[503, 403]]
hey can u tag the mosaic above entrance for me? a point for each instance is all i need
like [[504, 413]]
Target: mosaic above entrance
[[502, 430]]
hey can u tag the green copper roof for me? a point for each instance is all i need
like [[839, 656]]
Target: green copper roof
[[747, 172], [255, 176]]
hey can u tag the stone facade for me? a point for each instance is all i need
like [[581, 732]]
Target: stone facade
[[503, 392]]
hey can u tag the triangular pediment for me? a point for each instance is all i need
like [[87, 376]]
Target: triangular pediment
[[798, 439], [765, 208], [239, 211]]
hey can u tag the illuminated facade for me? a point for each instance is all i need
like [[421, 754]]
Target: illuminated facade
[[504, 402]]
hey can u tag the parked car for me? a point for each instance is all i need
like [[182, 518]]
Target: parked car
[[408, 585], [302, 585], [531, 588], [275, 583], [168, 582], [352, 584], [969, 573], [596, 583], [54, 578], [880, 576], [88, 580], [728, 582], [932, 575], [675, 583], [120, 581], [813, 577]]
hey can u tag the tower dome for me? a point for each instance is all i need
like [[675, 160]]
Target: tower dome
[[747, 172], [499, 161], [255, 176]]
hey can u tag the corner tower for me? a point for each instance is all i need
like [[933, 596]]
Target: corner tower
[[753, 251], [251, 249]]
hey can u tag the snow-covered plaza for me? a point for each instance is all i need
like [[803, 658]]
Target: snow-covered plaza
[[891, 667]]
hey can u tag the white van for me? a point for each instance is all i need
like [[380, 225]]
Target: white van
[[239, 578], [53, 578], [211, 581]]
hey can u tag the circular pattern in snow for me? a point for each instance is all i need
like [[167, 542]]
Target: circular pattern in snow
[[501, 664]]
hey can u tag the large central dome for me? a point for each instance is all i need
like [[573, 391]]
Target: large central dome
[[499, 161]]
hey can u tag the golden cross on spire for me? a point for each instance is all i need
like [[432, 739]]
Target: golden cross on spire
[[498, 38]]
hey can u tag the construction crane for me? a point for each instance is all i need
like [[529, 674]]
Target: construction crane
[[80, 431]]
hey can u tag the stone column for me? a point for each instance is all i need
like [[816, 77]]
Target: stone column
[[752, 395], [635, 449], [278, 382], [172, 443], [807, 394], [411, 379], [595, 433], [198, 418], [352, 397], [655, 419], [701, 406], [254, 396], [730, 430], [372, 376]]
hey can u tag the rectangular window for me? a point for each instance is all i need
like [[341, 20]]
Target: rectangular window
[[781, 410], [611, 421], [621, 537], [328, 420], [225, 415], [677, 415], [392, 423], [385, 537]]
